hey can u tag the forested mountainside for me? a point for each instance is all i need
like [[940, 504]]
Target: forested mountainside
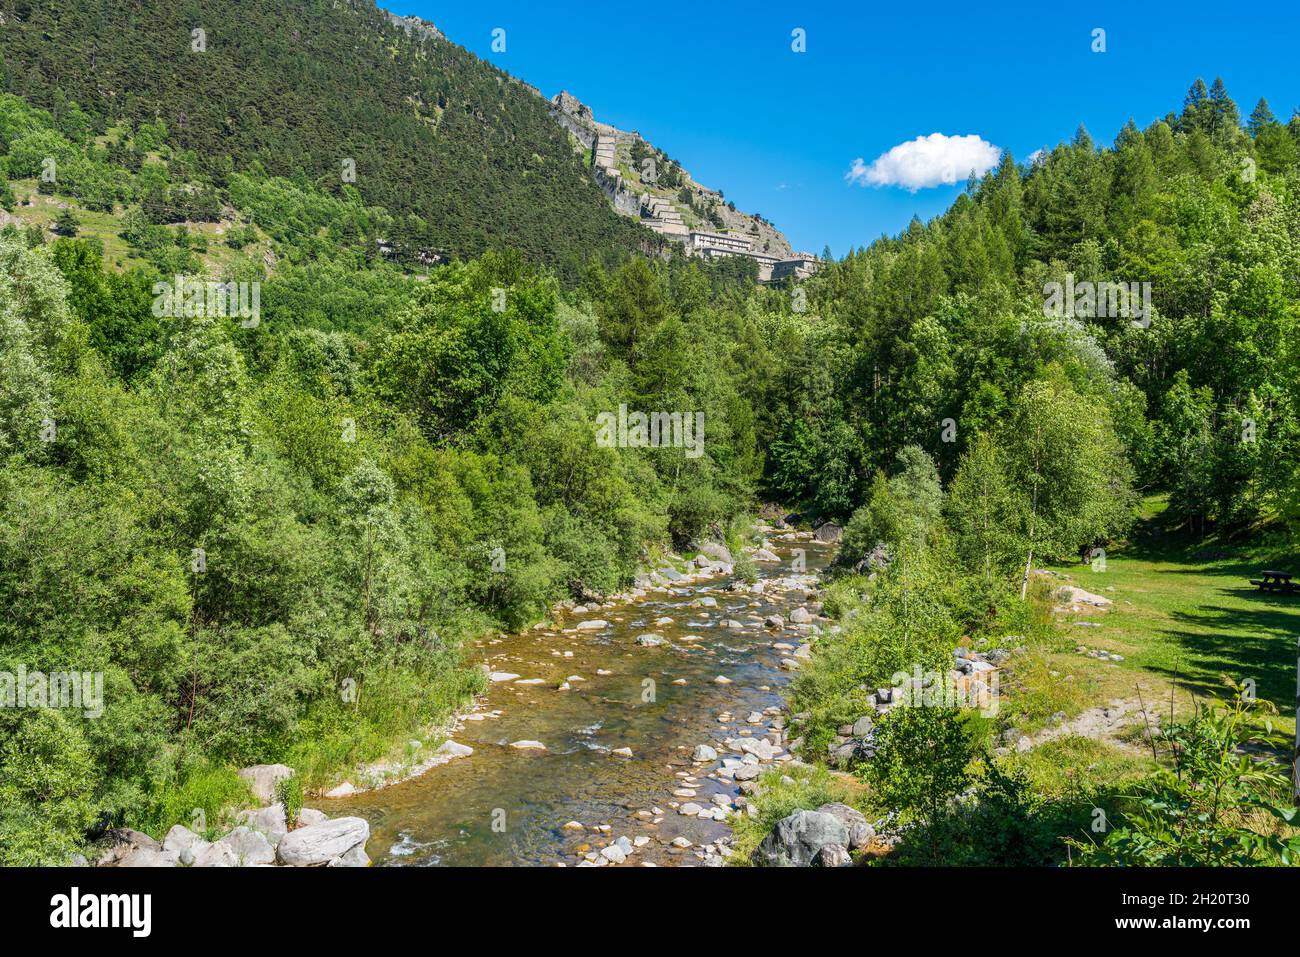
[[461, 154], [234, 515]]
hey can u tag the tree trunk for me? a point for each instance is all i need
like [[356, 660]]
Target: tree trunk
[[1024, 582]]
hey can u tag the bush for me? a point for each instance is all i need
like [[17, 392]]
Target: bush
[[1004, 823], [922, 756], [1217, 805], [288, 793], [693, 510]]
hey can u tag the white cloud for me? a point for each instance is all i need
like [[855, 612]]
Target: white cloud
[[927, 161]]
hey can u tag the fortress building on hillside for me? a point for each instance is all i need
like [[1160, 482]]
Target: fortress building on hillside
[[770, 268], [664, 210]]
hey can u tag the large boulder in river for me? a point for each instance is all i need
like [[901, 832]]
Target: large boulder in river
[[829, 533], [321, 843], [262, 779], [798, 839]]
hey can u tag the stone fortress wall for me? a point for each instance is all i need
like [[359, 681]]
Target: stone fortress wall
[[742, 235]]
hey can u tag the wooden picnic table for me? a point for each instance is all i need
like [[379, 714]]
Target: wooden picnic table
[[1276, 581]]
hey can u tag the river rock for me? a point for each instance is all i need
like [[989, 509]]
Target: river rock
[[217, 855], [149, 857], [798, 839], [181, 838], [613, 853], [251, 847], [760, 748], [595, 624], [833, 855], [774, 621], [262, 779], [528, 745], [451, 749], [122, 841], [649, 641], [704, 753], [357, 857], [715, 550], [801, 616], [765, 555], [828, 533], [860, 830], [497, 677], [269, 820], [321, 843]]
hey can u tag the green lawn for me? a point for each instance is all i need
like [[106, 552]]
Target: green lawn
[[1185, 613]]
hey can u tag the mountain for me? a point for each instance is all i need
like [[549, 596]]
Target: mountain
[[334, 94], [642, 182], [463, 155]]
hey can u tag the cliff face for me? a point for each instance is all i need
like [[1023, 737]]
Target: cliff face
[[641, 181]]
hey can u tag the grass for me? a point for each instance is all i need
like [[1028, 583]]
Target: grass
[[1184, 613], [205, 799], [39, 209]]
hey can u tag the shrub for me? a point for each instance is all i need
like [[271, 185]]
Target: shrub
[[1217, 805], [288, 793], [921, 761]]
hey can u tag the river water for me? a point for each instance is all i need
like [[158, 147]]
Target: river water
[[507, 806]]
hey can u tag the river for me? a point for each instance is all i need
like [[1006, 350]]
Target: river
[[508, 806]]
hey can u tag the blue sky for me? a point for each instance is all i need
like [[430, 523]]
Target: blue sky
[[718, 87]]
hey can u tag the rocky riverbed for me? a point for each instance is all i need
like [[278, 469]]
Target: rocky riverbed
[[625, 732]]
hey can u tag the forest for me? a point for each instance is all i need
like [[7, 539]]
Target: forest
[[233, 521]]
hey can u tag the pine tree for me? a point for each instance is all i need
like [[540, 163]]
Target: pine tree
[[1225, 118], [1261, 117], [67, 224]]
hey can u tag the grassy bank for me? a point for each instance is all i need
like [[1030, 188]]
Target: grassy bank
[[1070, 736]]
